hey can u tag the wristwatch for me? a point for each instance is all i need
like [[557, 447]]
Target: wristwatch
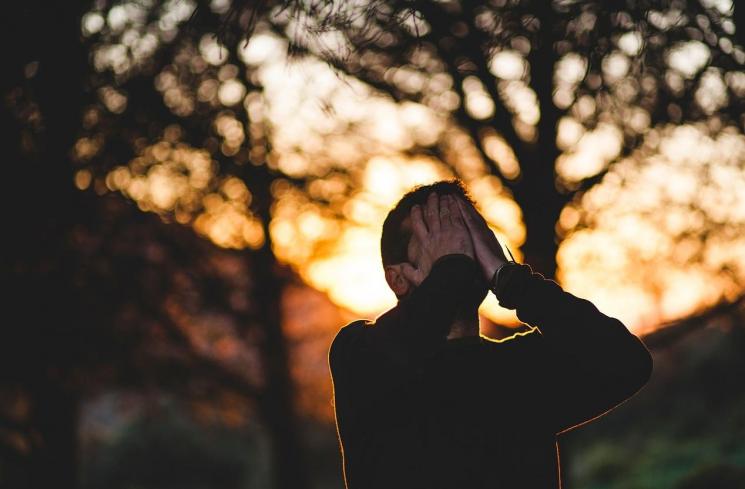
[[495, 278]]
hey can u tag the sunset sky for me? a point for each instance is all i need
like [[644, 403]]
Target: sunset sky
[[196, 192], [632, 261]]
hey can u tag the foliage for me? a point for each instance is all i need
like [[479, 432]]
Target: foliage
[[683, 430], [166, 449]]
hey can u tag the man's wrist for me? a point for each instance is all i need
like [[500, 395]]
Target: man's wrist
[[511, 285], [495, 281], [494, 268]]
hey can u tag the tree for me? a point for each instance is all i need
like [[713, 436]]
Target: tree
[[102, 293], [172, 119], [38, 263], [535, 75]]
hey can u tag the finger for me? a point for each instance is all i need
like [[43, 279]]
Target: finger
[[432, 212], [480, 231], [417, 223], [467, 215], [446, 219], [455, 213], [476, 215], [411, 273]]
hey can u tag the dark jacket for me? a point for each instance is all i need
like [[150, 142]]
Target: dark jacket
[[415, 410]]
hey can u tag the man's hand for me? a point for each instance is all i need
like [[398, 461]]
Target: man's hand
[[440, 230], [486, 246]]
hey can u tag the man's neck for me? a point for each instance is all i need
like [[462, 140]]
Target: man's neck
[[463, 327]]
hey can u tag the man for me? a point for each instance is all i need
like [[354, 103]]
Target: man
[[423, 401]]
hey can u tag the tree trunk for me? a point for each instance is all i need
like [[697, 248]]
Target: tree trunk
[[54, 460], [541, 209], [277, 402], [536, 191], [47, 65], [738, 14]]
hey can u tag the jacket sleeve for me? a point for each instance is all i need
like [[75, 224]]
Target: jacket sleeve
[[584, 362], [377, 361]]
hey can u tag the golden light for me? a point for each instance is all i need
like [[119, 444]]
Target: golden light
[[171, 178], [501, 153], [508, 65], [478, 102], [319, 122], [649, 217], [590, 152], [231, 92], [83, 179], [229, 227], [688, 57], [349, 268], [342, 257]]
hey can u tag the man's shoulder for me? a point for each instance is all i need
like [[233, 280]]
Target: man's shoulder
[[358, 327], [350, 329], [524, 350], [528, 338], [346, 334], [357, 333]]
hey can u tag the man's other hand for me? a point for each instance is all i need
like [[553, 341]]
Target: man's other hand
[[487, 250], [439, 230]]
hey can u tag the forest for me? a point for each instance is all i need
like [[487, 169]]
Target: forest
[[194, 196]]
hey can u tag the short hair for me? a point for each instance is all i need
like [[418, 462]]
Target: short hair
[[394, 241]]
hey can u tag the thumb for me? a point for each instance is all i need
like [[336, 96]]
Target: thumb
[[411, 273]]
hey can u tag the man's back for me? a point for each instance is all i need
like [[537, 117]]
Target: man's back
[[414, 409], [470, 418]]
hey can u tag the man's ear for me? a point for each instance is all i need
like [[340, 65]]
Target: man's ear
[[396, 280]]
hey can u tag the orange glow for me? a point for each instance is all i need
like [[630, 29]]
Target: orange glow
[[83, 179], [500, 153], [648, 220], [174, 179], [625, 244], [587, 153], [343, 258], [609, 263]]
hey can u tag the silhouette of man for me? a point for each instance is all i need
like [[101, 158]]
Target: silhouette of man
[[423, 401]]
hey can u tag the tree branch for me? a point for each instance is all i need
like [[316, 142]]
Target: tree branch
[[668, 334]]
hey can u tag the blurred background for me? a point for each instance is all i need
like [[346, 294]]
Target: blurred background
[[193, 193]]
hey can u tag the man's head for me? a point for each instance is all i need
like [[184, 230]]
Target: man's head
[[398, 244]]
